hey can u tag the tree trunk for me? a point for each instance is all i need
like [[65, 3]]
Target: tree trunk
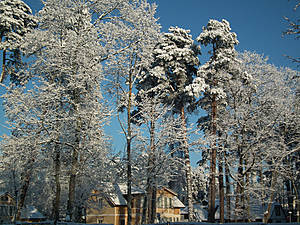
[[23, 193], [297, 201], [3, 67], [289, 195], [72, 185], [221, 191], [239, 185], [145, 207], [213, 159], [228, 200], [129, 173], [3, 61], [56, 203], [152, 191], [187, 169], [153, 205], [273, 182], [74, 165]]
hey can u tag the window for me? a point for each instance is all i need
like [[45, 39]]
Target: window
[[100, 203], [122, 221], [4, 198], [160, 204], [7, 210], [142, 202], [100, 220], [11, 210], [277, 210], [138, 202], [166, 202]]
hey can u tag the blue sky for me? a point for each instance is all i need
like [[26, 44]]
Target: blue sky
[[258, 24]]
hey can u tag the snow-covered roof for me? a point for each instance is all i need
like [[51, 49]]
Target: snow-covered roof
[[201, 212], [177, 203], [117, 197], [134, 190], [257, 211], [3, 193], [30, 212]]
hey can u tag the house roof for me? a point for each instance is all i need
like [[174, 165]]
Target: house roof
[[177, 203], [5, 193], [117, 197], [134, 190], [169, 190], [256, 211], [30, 212]]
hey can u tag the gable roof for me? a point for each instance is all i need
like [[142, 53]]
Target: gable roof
[[169, 190], [117, 198], [2, 193], [177, 203], [120, 190], [30, 212], [134, 190]]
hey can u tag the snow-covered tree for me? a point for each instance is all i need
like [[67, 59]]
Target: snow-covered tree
[[129, 36], [250, 137], [210, 84], [16, 20], [272, 110], [293, 29], [158, 130], [173, 68], [67, 103]]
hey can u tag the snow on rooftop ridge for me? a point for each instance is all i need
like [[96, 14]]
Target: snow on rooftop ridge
[[30, 212], [177, 203]]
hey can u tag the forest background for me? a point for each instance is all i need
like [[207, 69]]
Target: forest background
[[59, 114]]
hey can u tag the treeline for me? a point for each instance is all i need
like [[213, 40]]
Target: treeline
[[75, 65]]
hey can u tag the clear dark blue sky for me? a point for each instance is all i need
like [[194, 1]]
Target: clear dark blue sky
[[258, 23]]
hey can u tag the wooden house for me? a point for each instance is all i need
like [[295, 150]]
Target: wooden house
[[8, 211], [7, 207], [112, 208], [256, 213], [31, 214]]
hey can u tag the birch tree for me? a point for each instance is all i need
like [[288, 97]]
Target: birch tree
[[134, 33], [69, 104], [158, 129], [272, 111]]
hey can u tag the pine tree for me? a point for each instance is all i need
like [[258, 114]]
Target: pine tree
[[16, 20], [212, 78], [174, 65]]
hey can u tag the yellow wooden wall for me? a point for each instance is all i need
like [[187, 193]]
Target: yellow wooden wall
[[110, 214]]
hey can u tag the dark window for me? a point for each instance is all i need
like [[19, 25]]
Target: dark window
[[100, 203], [277, 210], [4, 198], [159, 202]]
